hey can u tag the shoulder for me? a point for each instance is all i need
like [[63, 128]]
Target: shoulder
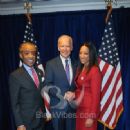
[[17, 71], [95, 69], [16, 74], [53, 61], [74, 62]]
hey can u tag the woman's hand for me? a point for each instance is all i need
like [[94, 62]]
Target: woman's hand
[[89, 122], [22, 127]]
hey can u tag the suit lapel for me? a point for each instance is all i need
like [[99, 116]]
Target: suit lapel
[[29, 78], [61, 67]]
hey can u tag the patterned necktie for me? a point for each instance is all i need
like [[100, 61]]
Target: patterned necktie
[[35, 77], [67, 70]]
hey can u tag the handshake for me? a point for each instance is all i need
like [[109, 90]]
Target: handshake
[[69, 96]]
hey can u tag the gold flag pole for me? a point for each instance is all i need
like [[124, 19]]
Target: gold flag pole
[[109, 8], [104, 127]]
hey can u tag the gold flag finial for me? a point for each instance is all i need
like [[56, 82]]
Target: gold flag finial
[[109, 2], [27, 6]]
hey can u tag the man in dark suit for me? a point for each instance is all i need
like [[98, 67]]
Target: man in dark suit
[[59, 78], [25, 91]]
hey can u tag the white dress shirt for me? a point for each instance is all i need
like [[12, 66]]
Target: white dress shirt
[[70, 66]]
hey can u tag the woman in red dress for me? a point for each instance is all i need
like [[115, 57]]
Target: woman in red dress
[[88, 81]]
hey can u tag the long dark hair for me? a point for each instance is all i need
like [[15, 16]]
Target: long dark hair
[[92, 56]]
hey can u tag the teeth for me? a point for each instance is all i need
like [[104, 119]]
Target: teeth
[[30, 60]]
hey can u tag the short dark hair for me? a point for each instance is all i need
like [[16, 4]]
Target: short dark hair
[[24, 43]]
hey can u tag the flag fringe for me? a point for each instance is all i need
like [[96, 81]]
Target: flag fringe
[[106, 125]]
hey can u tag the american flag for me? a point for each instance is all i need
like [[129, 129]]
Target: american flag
[[111, 89], [29, 37]]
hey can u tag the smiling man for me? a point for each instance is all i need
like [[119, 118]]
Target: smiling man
[[59, 74], [25, 88]]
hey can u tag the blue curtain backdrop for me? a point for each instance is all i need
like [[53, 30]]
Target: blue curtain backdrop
[[82, 26]]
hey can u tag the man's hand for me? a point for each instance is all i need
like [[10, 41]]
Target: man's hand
[[48, 119], [22, 127], [69, 96]]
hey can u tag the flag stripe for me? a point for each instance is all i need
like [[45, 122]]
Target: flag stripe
[[106, 106], [108, 81], [113, 120], [104, 67], [112, 115], [110, 103], [111, 85], [102, 63], [110, 95]]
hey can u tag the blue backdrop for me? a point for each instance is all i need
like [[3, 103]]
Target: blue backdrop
[[82, 26]]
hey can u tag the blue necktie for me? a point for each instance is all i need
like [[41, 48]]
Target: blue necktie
[[67, 70]]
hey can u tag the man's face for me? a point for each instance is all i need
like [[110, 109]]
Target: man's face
[[65, 47], [28, 54]]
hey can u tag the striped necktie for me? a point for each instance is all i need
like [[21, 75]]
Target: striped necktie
[[35, 77]]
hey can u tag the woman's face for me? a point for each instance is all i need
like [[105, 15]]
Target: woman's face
[[84, 55]]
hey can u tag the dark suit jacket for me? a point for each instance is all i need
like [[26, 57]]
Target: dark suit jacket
[[26, 99], [55, 75]]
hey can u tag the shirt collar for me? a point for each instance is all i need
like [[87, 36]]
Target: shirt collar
[[27, 67], [63, 59]]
